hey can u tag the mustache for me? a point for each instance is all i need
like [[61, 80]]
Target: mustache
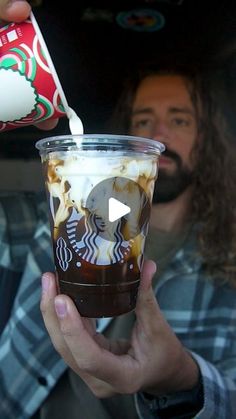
[[172, 155]]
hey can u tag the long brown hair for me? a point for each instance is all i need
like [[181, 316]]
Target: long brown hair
[[214, 193]]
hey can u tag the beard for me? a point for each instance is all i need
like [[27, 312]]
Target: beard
[[169, 186]]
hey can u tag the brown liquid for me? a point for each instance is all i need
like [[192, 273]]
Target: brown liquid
[[97, 290], [101, 301], [101, 276]]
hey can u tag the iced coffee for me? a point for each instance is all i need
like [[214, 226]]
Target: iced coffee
[[98, 256]]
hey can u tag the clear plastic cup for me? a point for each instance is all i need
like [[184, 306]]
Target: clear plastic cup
[[99, 190]]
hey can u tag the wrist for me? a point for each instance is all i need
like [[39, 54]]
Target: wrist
[[176, 405], [183, 377], [188, 374]]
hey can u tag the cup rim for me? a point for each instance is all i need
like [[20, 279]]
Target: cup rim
[[70, 141]]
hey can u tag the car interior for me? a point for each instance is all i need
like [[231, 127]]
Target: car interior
[[94, 46]]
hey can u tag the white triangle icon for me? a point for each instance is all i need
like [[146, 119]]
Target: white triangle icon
[[116, 209]]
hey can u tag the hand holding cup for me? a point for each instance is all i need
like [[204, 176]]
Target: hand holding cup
[[15, 12], [153, 360]]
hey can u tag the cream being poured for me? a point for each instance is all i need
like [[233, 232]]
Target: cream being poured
[[75, 123]]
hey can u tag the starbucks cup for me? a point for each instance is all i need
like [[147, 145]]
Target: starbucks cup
[[30, 90], [99, 190]]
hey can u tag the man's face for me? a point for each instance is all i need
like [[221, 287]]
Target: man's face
[[163, 110]]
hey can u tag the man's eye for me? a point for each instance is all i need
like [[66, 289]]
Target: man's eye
[[141, 123], [180, 122]]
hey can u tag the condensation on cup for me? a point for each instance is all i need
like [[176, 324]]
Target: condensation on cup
[[30, 90]]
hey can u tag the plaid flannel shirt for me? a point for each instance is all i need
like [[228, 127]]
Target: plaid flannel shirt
[[202, 314]]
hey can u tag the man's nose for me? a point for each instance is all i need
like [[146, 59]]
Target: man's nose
[[160, 132]]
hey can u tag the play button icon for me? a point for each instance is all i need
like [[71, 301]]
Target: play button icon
[[117, 210]]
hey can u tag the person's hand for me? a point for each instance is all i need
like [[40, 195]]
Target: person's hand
[[153, 360], [14, 10], [18, 11]]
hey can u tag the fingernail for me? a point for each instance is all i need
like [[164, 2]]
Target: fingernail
[[45, 283], [60, 307]]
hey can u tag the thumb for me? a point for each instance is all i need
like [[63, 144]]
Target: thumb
[[14, 11], [146, 303]]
